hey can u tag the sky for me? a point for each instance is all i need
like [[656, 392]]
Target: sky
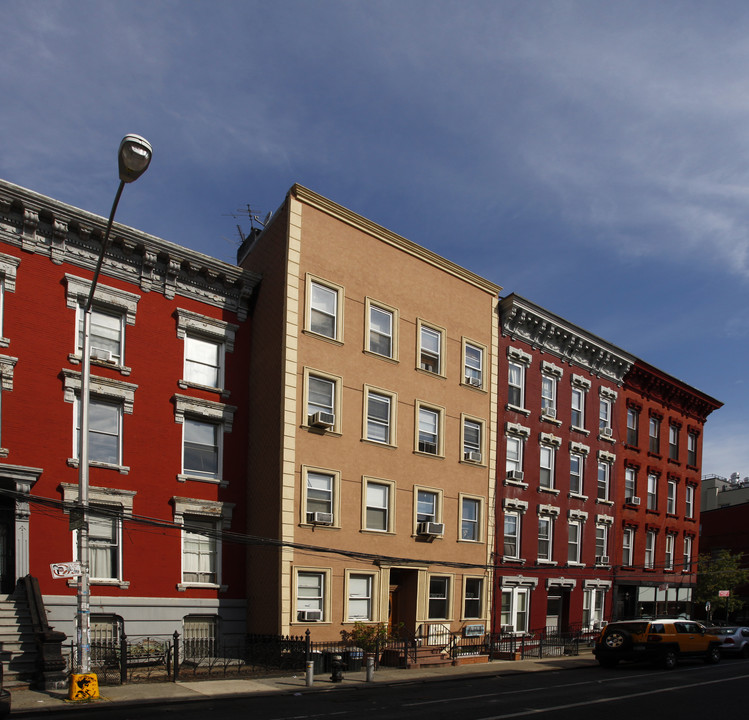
[[590, 156]]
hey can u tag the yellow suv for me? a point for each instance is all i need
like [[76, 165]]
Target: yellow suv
[[662, 641]]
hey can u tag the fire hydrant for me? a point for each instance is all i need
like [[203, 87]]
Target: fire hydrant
[[337, 668]]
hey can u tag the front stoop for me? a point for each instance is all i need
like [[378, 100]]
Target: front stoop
[[471, 659]]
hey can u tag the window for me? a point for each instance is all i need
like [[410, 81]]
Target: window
[[512, 535], [377, 506], [8, 270], [633, 424], [323, 310], [472, 440], [546, 473], [604, 416], [381, 331], [430, 349], [670, 551], [549, 395], [319, 497], [655, 435], [602, 543], [310, 596], [439, 599], [104, 545], [359, 598], [203, 362], [470, 518], [577, 463], [689, 500], [630, 484], [320, 396], [692, 449], [687, 557], [514, 460], [545, 526], [199, 551], [104, 432], [201, 449], [473, 364], [200, 636], [604, 477], [671, 498], [427, 506], [107, 335], [378, 413], [574, 540], [578, 408], [514, 610], [473, 598], [322, 400], [673, 442], [628, 545], [650, 549], [516, 384], [593, 601], [652, 492], [429, 436]]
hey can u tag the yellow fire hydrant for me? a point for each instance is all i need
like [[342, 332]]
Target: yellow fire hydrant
[[84, 687]]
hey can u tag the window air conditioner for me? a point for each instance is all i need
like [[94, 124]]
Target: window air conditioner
[[321, 518], [322, 420], [473, 381], [607, 432], [549, 412], [515, 475], [508, 628], [430, 528], [472, 456], [101, 354], [634, 500], [602, 559], [310, 615]]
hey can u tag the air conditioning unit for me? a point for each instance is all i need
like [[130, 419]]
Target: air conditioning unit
[[515, 475], [602, 559], [549, 412], [508, 628], [310, 615], [473, 381], [430, 528], [321, 518], [472, 456], [322, 420], [607, 432], [634, 500], [101, 354]]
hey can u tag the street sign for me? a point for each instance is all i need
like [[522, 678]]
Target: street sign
[[66, 570], [724, 593]]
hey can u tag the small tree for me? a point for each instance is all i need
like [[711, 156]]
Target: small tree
[[369, 637], [721, 571]]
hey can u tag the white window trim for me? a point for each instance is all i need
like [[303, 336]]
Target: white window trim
[[336, 500], [482, 438], [8, 269], [339, 291], [550, 518], [370, 303], [390, 529], [484, 357], [438, 505], [483, 615], [373, 596], [337, 381], [448, 599], [479, 520], [419, 405], [393, 424], [442, 332], [326, 600]]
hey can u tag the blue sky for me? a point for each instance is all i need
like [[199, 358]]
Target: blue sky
[[590, 156]]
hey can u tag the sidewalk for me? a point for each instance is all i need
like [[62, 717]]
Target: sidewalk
[[30, 702]]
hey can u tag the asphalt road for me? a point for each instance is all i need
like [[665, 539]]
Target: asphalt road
[[639, 692]]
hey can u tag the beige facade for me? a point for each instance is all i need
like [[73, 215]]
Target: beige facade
[[372, 441]]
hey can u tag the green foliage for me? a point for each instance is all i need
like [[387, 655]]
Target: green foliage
[[368, 636], [721, 571]]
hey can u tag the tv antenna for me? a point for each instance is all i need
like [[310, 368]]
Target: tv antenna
[[254, 218]]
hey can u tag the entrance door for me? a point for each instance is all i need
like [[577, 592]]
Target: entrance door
[[7, 546], [553, 611]]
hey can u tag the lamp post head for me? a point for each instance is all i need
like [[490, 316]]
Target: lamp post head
[[133, 157]]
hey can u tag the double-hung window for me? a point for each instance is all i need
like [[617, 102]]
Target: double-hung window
[[652, 491], [473, 598], [381, 336], [604, 416], [630, 484], [628, 546], [203, 362], [472, 440], [8, 271], [654, 433], [602, 543], [104, 545], [322, 398], [671, 498], [310, 596], [669, 564], [201, 448], [107, 335], [512, 535], [593, 599], [429, 431], [604, 480], [545, 534], [692, 449], [323, 310], [427, 506], [320, 488], [577, 462], [514, 610], [377, 505], [379, 412], [359, 598], [430, 349], [650, 549], [514, 462], [199, 551], [574, 541], [577, 413], [687, 556], [549, 396], [104, 431], [516, 384], [473, 365], [439, 597], [633, 425], [673, 441], [546, 470], [689, 501], [470, 519]]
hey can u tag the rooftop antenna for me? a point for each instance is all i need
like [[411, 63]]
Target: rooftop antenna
[[254, 218]]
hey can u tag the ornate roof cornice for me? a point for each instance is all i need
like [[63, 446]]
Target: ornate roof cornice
[[523, 320], [66, 234]]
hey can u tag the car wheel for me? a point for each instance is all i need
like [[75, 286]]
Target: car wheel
[[669, 660], [713, 655], [617, 639]]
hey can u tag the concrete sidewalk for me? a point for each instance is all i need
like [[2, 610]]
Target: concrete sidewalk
[[25, 701]]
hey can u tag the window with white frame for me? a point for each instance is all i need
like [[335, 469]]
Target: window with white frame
[[687, 554], [200, 636], [379, 412], [630, 484], [514, 461], [381, 331], [439, 597], [470, 518], [207, 340], [8, 270], [546, 470], [652, 491], [671, 497], [633, 426], [320, 396], [310, 596], [669, 563], [604, 416], [516, 384], [427, 506], [650, 549], [473, 597], [577, 462], [692, 449], [604, 480], [628, 546], [324, 317], [602, 543], [574, 541], [512, 535], [104, 431], [201, 448], [654, 433], [319, 497], [578, 408], [545, 537], [430, 349], [549, 395], [429, 431], [359, 597], [377, 501], [199, 551], [472, 440], [689, 501], [515, 606], [673, 441], [593, 604], [473, 364], [107, 335]]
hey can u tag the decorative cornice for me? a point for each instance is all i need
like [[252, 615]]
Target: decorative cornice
[[545, 331], [66, 234]]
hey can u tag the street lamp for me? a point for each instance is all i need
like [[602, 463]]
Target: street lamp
[[134, 157]]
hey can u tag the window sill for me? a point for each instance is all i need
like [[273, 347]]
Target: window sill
[[186, 384], [312, 430], [604, 438], [572, 564], [431, 373], [429, 455], [204, 479], [477, 388], [122, 469], [516, 483], [75, 359], [326, 338], [582, 431], [655, 455], [201, 586], [577, 496], [103, 582], [322, 526], [551, 491], [541, 561], [518, 561], [4, 342], [601, 501], [633, 448], [377, 355], [473, 463], [552, 421], [374, 531], [648, 511], [377, 443], [515, 408], [627, 568], [4, 452]]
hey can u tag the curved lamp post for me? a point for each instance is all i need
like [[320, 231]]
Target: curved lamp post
[[134, 157]]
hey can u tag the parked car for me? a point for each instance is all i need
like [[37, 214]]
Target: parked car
[[662, 641], [735, 640]]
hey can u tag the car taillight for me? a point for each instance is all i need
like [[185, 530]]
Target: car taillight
[[654, 638], [728, 641]]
